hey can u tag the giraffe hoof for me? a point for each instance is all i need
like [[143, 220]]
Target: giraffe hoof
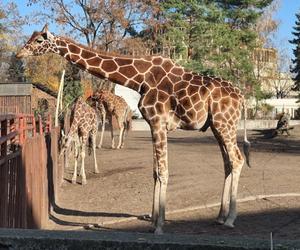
[[97, 172], [220, 221], [158, 231], [98, 146], [228, 224], [83, 182], [73, 181]]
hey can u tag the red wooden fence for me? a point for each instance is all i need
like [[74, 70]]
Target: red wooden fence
[[28, 165]]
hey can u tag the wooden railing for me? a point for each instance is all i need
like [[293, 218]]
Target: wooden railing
[[28, 160]]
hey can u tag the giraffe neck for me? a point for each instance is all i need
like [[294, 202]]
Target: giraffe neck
[[125, 71]]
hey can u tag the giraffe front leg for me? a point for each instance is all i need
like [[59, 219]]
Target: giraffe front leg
[[83, 176], [155, 205], [76, 154], [102, 129], [94, 135], [112, 132], [121, 136], [160, 179]]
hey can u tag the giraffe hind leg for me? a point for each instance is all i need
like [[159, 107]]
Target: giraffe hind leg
[[233, 162]]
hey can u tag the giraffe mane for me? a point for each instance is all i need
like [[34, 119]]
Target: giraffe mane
[[105, 53]]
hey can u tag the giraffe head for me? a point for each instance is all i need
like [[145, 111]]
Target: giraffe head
[[39, 43]]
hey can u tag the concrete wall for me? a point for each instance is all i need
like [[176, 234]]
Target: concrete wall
[[141, 125], [70, 240]]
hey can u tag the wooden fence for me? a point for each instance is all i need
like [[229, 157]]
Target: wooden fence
[[29, 172]]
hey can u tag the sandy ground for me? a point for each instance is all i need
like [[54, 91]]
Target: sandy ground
[[122, 192]]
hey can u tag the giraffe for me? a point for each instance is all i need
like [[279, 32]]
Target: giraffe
[[110, 105], [84, 123], [171, 97]]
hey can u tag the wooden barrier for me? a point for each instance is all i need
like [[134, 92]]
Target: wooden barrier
[[28, 169]]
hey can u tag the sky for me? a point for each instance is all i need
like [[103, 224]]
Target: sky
[[286, 16]]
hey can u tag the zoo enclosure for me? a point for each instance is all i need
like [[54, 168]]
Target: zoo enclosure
[[29, 172]]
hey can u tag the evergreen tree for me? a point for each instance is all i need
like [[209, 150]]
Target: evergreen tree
[[296, 61], [218, 34], [72, 85]]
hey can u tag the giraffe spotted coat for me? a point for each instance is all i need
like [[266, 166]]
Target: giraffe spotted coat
[[171, 97]]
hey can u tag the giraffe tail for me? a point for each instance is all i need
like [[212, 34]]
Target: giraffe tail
[[247, 144]]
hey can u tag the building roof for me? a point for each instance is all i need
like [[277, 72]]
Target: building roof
[[23, 89]]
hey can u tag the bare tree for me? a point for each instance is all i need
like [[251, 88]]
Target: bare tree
[[104, 24]]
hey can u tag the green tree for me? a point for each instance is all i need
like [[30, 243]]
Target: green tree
[[219, 35], [72, 85], [295, 69]]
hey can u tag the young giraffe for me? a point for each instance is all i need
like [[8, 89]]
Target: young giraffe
[[112, 105], [84, 123], [171, 97]]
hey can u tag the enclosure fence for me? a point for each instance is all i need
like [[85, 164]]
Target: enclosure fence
[[29, 172]]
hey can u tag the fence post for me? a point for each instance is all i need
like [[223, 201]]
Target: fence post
[[22, 130], [3, 133], [40, 125]]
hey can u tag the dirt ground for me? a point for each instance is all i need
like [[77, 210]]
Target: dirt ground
[[116, 198]]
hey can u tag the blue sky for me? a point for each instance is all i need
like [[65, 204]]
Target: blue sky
[[286, 15]]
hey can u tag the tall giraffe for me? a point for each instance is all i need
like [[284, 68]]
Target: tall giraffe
[[171, 97], [110, 105], [84, 123]]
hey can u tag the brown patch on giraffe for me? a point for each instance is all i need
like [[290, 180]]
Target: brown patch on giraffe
[[109, 66], [177, 71], [192, 89], [158, 73], [224, 92], [74, 49], [192, 114], [181, 85], [166, 86], [123, 61], [74, 58], [87, 54], [187, 77], [207, 82], [159, 108], [128, 71], [203, 92], [150, 98], [234, 96], [225, 84], [139, 78], [199, 106], [94, 61], [215, 107], [167, 65], [63, 51], [141, 66], [174, 78], [201, 114], [225, 103], [186, 103], [145, 88], [151, 112], [157, 61], [180, 110], [216, 83], [117, 77], [162, 96], [133, 85], [61, 43], [216, 94], [195, 98], [149, 78], [181, 94]]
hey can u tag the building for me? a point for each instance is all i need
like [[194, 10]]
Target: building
[[26, 98]]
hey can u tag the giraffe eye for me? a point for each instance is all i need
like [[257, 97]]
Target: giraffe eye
[[39, 40]]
